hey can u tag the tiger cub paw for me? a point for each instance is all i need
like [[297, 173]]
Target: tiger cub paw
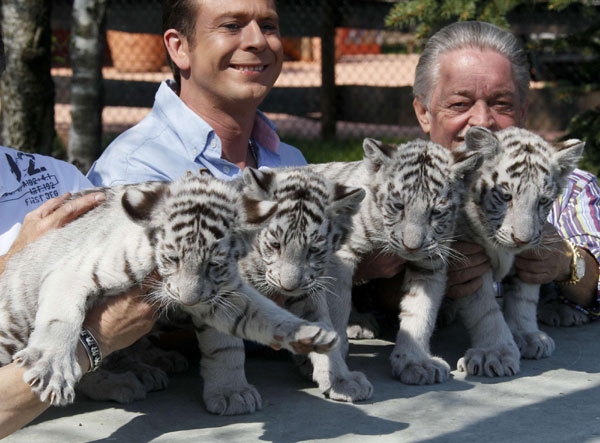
[[502, 361], [308, 337], [362, 326], [536, 344], [227, 401], [559, 314], [426, 371], [103, 385], [51, 374], [353, 387]]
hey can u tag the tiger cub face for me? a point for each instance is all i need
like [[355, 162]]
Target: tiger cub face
[[521, 176], [199, 227], [418, 187], [313, 219]]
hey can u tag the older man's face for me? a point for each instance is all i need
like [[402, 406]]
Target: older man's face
[[474, 88]]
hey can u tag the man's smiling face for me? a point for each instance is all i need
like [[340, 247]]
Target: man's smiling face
[[236, 53]]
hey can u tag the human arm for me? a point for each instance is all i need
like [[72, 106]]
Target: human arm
[[553, 263], [115, 324], [576, 217], [378, 265], [465, 272], [52, 214]]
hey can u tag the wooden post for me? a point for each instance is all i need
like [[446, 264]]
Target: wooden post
[[328, 105]]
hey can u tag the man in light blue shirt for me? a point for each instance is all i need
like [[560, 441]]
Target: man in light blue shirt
[[173, 139], [225, 60]]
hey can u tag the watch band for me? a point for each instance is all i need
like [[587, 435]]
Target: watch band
[[577, 266]]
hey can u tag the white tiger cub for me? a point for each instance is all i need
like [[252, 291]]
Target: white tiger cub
[[291, 261], [191, 231], [414, 191], [294, 260], [505, 212]]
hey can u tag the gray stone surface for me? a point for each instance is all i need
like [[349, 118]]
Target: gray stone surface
[[550, 400]]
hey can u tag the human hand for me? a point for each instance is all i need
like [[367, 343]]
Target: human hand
[[465, 274], [121, 320], [378, 265], [53, 214], [548, 262]]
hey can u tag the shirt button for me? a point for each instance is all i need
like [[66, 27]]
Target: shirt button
[[226, 169], [213, 143]]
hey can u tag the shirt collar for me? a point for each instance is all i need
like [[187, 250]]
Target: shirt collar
[[196, 134], [193, 131], [264, 132]]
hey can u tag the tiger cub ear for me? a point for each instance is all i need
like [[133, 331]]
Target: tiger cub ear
[[139, 202], [567, 155], [259, 183], [466, 162], [482, 140], [377, 153], [256, 197], [346, 200]]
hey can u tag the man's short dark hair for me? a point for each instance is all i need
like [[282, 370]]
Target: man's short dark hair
[[180, 15]]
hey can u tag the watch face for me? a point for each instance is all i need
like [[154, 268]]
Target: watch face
[[579, 267]]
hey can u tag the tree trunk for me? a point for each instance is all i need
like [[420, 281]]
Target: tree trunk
[[27, 87], [85, 134]]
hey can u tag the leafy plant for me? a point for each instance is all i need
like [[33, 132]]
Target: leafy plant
[[585, 126]]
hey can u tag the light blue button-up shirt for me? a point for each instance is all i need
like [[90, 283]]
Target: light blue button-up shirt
[[172, 140]]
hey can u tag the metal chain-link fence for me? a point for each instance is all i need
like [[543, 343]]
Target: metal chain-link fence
[[345, 75]]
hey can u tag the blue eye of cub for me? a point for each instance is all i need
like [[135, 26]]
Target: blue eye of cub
[[544, 201]]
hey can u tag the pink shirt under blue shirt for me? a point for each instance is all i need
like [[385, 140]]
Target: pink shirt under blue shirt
[[172, 140]]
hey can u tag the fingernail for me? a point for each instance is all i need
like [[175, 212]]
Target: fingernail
[[100, 197]]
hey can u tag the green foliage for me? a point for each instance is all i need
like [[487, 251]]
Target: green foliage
[[57, 47], [332, 150], [585, 126], [427, 16]]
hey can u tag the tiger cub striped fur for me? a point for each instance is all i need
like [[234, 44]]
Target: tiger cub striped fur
[[294, 260], [291, 262], [192, 232], [505, 211], [414, 191]]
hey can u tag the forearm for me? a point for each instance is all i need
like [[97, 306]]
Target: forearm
[[3, 260], [18, 404], [585, 292]]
